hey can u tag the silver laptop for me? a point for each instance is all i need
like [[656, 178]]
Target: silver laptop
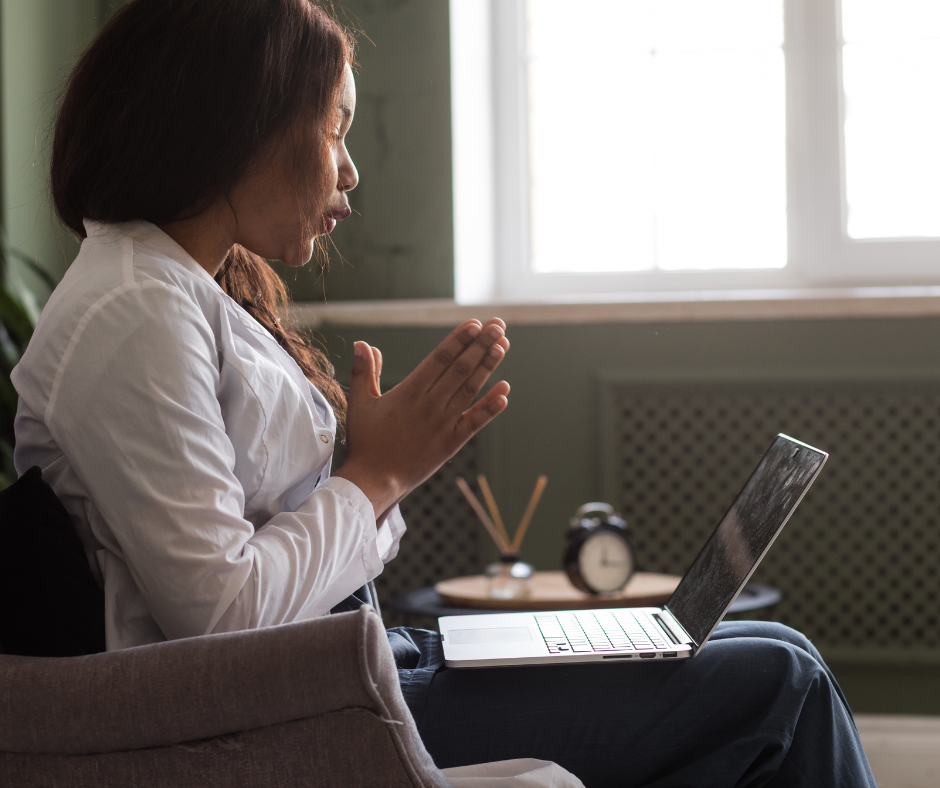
[[688, 619]]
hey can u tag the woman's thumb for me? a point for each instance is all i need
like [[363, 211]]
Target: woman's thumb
[[363, 371]]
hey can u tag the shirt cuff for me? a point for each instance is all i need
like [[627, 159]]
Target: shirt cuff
[[356, 498], [394, 526], [383, 541]]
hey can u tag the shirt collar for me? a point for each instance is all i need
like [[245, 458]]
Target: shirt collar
[[152, 236]]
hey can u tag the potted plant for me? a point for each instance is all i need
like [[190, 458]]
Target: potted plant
[[17, 320]]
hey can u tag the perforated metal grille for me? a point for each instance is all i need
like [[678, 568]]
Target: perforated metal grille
[[859, 561], [442, 540]]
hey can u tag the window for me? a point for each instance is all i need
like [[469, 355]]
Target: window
[[643, 146], [890, 65]]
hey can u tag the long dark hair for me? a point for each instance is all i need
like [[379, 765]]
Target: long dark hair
[[172, 103]]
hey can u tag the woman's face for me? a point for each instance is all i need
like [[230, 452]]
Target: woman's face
[[268, 217], [343, 172]]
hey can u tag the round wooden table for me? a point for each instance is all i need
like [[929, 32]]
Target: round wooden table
[[552, 591]]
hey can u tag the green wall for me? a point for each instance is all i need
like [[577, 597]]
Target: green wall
[[400, 245], [38, 44], [552, 424]]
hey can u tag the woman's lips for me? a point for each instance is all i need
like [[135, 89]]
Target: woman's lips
[[333, 217]]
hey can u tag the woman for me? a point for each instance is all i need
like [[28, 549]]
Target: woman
[[189, 433]]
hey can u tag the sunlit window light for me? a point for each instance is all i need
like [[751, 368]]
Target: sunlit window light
[[890, 65], [657, 135]]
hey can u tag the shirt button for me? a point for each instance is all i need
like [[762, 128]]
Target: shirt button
[[324, 439]]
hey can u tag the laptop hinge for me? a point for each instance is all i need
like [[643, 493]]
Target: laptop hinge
[[670, 622]]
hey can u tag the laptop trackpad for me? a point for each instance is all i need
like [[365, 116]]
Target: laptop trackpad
[[466, 637]]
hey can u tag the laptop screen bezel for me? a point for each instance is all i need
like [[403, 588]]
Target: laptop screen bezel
[[809, 483]]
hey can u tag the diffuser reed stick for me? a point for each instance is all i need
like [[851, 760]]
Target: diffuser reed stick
[[502, 544], [494, 509], [497, 530], [529, 511]]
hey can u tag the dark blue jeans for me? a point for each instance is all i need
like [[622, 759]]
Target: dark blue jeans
[[756, 707]]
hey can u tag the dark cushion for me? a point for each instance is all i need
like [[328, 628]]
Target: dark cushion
[[50, 603]]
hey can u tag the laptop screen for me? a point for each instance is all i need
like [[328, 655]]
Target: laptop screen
[[745, 533]]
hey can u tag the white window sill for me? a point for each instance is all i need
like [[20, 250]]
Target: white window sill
[[865, 302]]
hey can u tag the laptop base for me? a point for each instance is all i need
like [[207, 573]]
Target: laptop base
[[550, 637]]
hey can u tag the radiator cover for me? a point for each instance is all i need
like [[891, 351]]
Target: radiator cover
[[859, 561]]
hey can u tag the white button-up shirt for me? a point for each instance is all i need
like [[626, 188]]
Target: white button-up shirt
[[189, 449]]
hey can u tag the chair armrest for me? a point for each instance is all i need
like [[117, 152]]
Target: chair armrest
[[197, 688]]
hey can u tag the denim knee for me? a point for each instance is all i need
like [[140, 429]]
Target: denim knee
[[772, 663], [787, 635], [768, 630]]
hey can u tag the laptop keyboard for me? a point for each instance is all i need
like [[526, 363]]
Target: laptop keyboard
[[600, 631]]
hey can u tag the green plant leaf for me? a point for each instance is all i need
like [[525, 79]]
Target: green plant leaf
[[18, 313], [7, 469], [47, 278], [15, 318], [9, 351]]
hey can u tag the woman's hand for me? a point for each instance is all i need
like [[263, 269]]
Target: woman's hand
[[397, 440]]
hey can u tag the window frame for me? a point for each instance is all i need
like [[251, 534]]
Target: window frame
[[491, 219]]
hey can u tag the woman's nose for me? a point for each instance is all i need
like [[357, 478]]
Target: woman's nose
[[348, 175]]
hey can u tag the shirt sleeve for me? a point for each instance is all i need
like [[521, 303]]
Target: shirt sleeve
[[390, 534], [135, 408]]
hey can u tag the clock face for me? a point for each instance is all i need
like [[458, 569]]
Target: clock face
[[605, 562]]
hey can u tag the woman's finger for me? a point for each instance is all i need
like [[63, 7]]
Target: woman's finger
[[457, 377], [362, 382], [428, 372], [377, 354], [463, 397], [481, 414]]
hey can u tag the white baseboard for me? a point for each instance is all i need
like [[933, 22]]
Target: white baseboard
[[904, 752]]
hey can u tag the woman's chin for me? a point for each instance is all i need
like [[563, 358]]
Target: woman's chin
[[298, 257]]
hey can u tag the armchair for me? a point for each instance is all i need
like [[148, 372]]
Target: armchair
[[312, 703]]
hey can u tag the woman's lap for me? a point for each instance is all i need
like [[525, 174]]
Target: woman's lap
[[757, 706]]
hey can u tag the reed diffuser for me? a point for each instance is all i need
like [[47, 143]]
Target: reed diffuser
[[509, 577]]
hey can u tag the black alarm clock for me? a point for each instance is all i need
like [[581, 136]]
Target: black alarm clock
[[598, 556]]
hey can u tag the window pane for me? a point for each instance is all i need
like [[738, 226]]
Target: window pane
[[657, 134], [890, 63]]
